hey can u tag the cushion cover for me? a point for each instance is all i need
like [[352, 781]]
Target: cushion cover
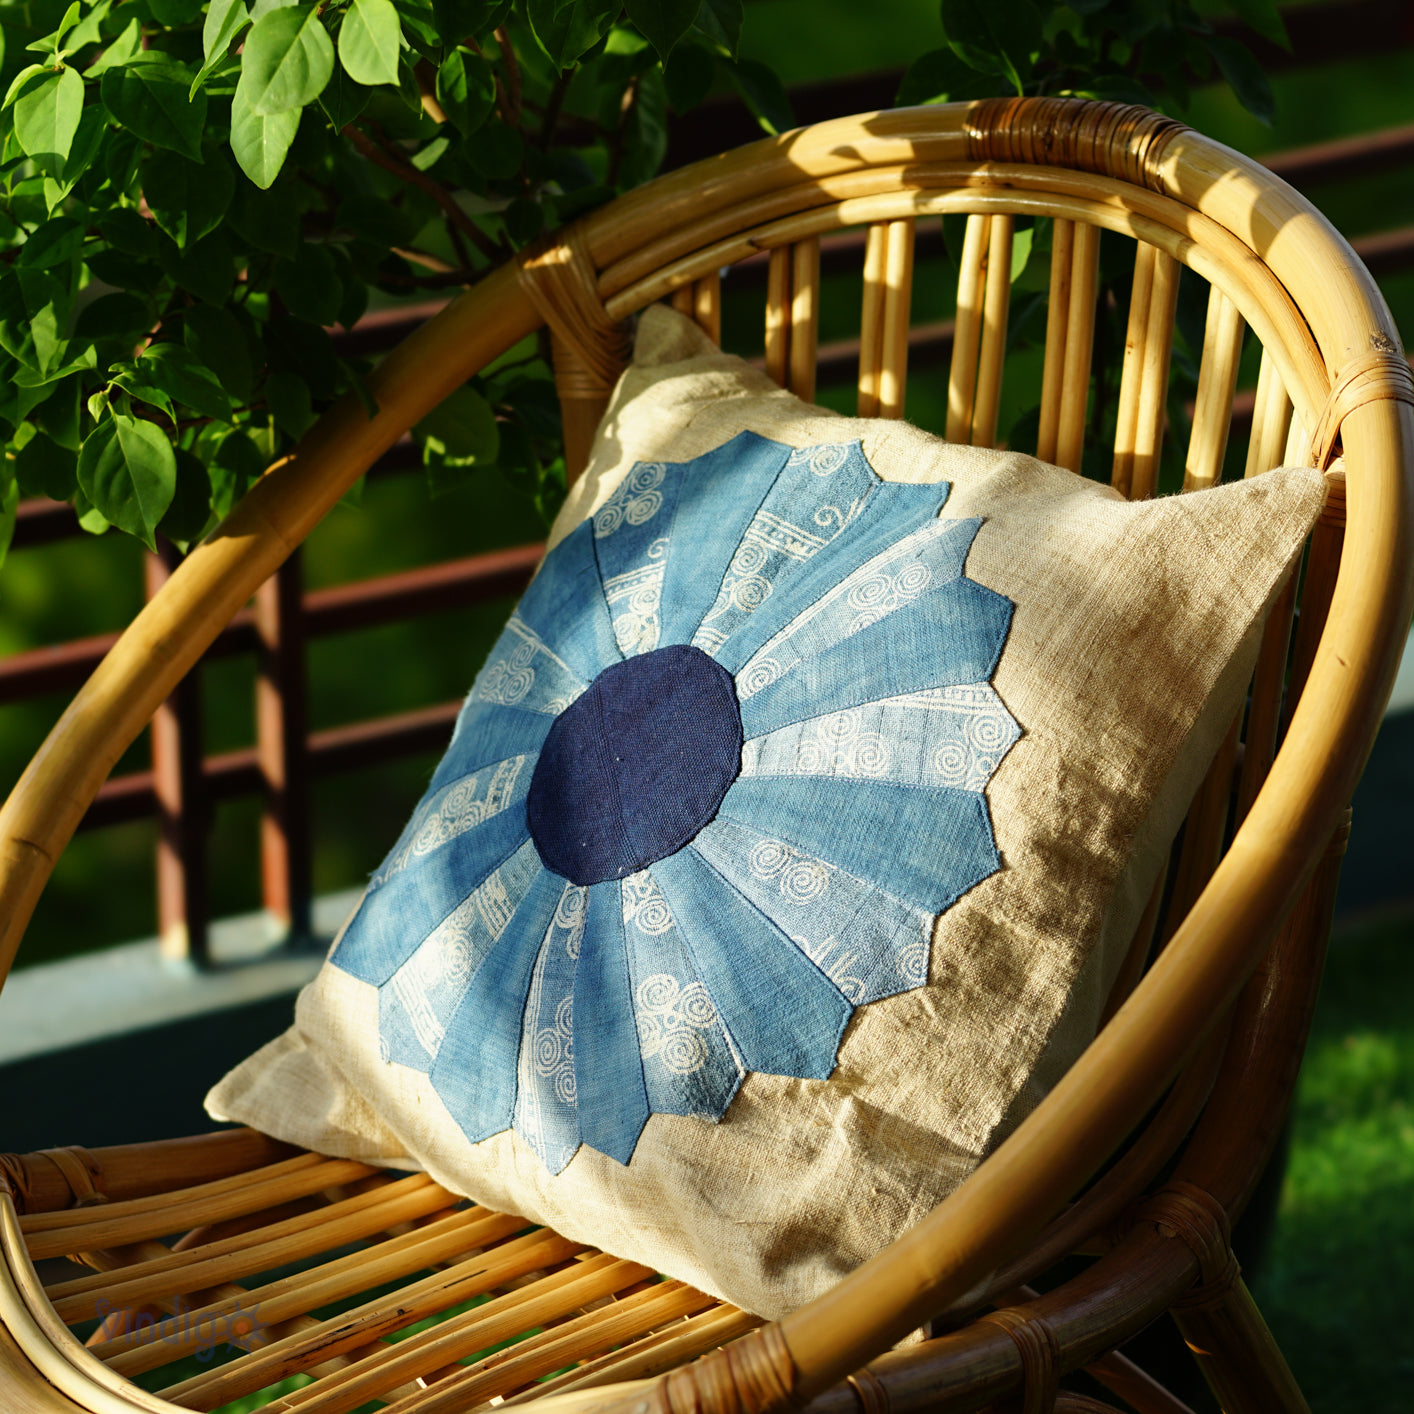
[[791, 836]]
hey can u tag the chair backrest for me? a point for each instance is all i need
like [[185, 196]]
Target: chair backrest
[[1332, 380]]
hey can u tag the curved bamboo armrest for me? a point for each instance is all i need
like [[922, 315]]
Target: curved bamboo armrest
[[1106, 1093]]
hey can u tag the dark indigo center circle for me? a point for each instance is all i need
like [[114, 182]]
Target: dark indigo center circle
[[636, 766]]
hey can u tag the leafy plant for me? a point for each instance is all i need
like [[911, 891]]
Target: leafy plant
[[192, 194]]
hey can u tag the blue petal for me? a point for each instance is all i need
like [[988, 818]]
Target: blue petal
[[951, 635], [475, 1070], [721, 492], [689, 1065], [416, 1004], [868, 943], [783, 1014], [547, 1112], [523, 671], [925, 845], [613, 1102], [393, 920], [486, 733], [890, 512], [564, 605]]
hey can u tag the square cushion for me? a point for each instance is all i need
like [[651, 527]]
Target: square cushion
[[791, 836]]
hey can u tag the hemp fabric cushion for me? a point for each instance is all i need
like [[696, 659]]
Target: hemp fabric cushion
[[791, 837]]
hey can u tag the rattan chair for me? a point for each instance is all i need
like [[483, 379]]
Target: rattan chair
[[1188, 1081]]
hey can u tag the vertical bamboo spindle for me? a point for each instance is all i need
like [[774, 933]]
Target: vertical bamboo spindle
[[1271, 418], [282, 746], [804, 316], [707, 305], [871, 318], [683, 301], [778, 285], [898, 299], [183, 803], [1217, 382], [1144, 382], [1079, 347], [967, 331], [996, 301], [1057, 315]]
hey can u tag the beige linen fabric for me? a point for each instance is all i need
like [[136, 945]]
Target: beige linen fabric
[[1133, 637]]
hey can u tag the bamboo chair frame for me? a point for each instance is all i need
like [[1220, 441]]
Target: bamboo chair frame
[[1205, 1042]]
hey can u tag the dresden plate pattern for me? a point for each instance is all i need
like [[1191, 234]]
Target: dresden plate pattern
[[862, 658]]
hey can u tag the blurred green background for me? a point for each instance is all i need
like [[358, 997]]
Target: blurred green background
[[1345, 1235]]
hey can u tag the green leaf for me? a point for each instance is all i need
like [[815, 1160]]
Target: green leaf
[[263, 7], [1264, 17], [26, 76], [287, 397], [310, 285], [343, 100], [88, 31], [466, 89], [260, 143], [113, 316], [461, 431], [33, 310], [267, 220], [663, 22], [47, 117], [688, 76], [647, 136], [9, 502], [369, 40], [128, 472], [56, 369], [237, 465], [216, 340], [44, 469], [176, 14], [51, 42], [939, 76], [995, 37], [720, 21], [224, 21], [468, 19], [184, 378], [52, 243], [191, 501], [498, 151], [764, 93], [204, 267], [304, 349], [1245, 75], [188, 199], [134, 381], [119, 52], [565, 29], [124, 228], [287, 60], [151, 101]]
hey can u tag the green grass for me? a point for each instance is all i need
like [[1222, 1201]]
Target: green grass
[[1343, 1250]]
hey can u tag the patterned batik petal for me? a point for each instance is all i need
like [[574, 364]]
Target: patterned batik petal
[[818, 492], [523, 672], [547, 1112], [689, 1064], [892, 510], [721, 492], [868, 943], [475, 1069], [485, 734], [783, 1014], [565, 603], [927, 846], [403, 905], [951, 636], [416, 1004], [944, 736], [613, 1100]]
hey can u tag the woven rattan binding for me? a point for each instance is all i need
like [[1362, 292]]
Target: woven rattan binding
[[1039, 1348], [1119, 140], [1374, 377], [1200, 1222], [753, 1375]]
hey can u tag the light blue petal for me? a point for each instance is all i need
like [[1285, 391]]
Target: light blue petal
[[564, 605], [475, 1069], [780, 573], [952, 635], [924, 845], [392, 921], [416, 1004], [689, 1065], [868, 943], [943, 736], [547, 1112], [613, 1102], [485, 734], [523, 671], [721, 493], [783, 1014]]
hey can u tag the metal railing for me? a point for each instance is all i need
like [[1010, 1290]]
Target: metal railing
[[185, 783]]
